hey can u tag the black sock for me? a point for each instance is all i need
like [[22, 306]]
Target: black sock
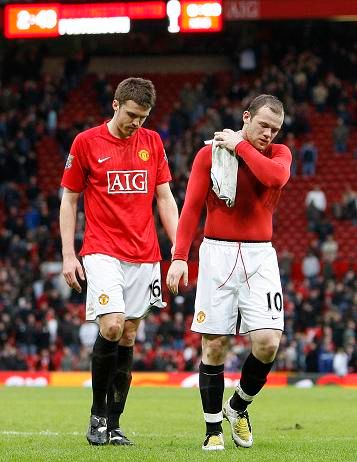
[[211, 380], [253, 378], [104, 360], [119, 388]]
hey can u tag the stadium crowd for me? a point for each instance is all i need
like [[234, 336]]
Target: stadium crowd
[[42, 324]]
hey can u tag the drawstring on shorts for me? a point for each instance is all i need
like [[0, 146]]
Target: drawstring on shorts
[[235, 264]]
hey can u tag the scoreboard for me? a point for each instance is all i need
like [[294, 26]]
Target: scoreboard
[[185, 16], [56, 19]]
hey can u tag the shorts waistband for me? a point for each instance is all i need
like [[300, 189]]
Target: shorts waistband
[[209, 240]]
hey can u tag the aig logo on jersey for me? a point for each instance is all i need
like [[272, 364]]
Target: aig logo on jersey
[[127, 181]]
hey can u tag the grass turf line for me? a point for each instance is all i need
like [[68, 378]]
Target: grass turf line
[[289, 424]]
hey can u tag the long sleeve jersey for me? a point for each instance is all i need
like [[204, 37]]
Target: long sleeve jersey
[[261, 176]]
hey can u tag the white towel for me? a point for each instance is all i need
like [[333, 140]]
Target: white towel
[[224, 173]]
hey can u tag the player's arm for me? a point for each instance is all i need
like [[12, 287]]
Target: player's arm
[[273, 172], [68, 216], [196, 193], [167, 209]]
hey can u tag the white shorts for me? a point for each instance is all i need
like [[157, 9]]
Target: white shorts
[[116, 286], [237, 278]]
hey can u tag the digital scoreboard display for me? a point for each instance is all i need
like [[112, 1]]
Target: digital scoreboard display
[[55, 19], [36, 20]]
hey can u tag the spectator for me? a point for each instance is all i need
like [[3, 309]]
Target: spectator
[[329, 249], [325, 357], [68, 330], [352, 364], [231, 363], [340, 136], [349, 335], [320, 96], [52, 325], [191, 102], [88, 333], [67, 360], [247, 60], [347, 208], [344, 113], [315, 203], [340, 362], [311, 359], [308, 154], [178, 122], [43, 362], [52, 119], [32, 218], [310, 266], [334, 86], [165, 330], [323, 229], [32, 190], [301, 124], [151, 328], [83, 363], [178, 330]]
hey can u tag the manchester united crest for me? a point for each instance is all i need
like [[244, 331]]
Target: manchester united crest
[[144, 155], [103, 299], [201, 316]]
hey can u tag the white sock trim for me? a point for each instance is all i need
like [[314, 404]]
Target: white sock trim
[[243, 395], [213, 418]]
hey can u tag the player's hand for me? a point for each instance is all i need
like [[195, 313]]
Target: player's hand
[[177, 270], [228, 138], [72, 267]]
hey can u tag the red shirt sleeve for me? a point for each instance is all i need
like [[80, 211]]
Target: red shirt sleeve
[[163, 170], [272, 171], [75, 171], [197, 189]]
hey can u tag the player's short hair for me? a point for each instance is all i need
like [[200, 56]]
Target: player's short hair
[[139, 90], [272, 102]]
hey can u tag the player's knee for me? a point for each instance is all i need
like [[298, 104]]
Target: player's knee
[[128, 338], [215, 357], [214, 350], [266, 352], [112, 331], [129, 333]]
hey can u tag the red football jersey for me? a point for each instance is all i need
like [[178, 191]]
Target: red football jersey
[[260, 180], [118, 177]]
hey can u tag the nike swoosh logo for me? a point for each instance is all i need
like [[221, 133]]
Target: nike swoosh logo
[[103, 160], [274, 319]]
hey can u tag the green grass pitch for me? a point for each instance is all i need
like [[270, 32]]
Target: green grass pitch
[[289, 424]]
